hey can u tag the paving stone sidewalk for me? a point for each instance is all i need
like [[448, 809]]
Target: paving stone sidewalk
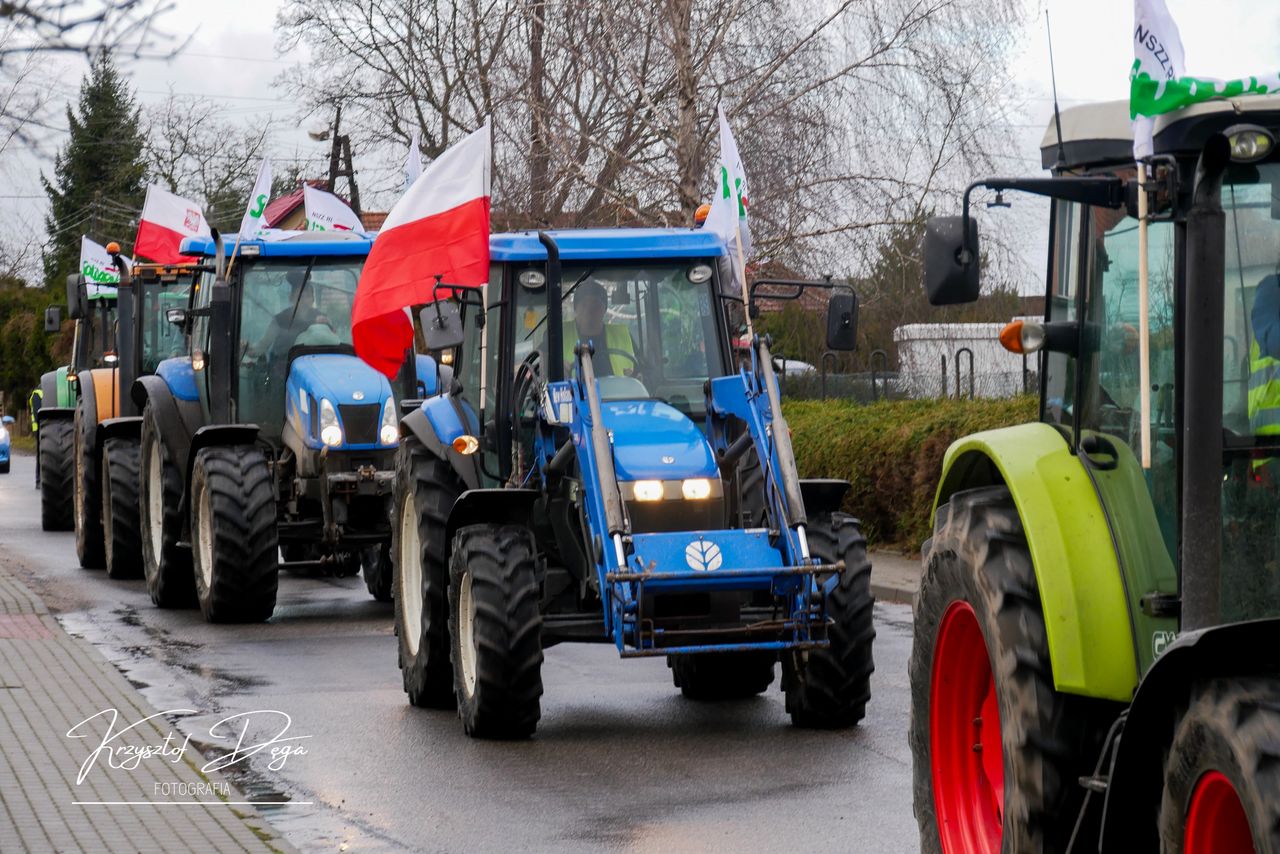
[[51, 682]]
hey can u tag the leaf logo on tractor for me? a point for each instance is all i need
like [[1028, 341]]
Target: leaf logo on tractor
[[703, 556]]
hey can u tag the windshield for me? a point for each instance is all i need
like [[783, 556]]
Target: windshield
[[1251, 393], [652, 326], [285, 303], [97, 333], [161, 339]]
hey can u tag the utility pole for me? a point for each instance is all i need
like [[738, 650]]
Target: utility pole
[[340, 161]]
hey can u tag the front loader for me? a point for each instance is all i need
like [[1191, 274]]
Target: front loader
[[1096, 657], [588, 478]]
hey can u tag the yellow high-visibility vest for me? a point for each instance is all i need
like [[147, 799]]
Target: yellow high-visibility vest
[[617, 340]]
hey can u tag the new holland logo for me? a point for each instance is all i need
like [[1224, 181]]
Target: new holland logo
[[702, 556]]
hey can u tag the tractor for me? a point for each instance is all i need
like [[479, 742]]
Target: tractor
[[270, 437], [93, 308], [601, 469], [1096, 654], [107, 423]]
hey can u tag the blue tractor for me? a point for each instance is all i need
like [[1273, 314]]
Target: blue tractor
[[605, 468], [270, 436]]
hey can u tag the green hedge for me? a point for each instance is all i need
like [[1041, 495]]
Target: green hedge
[[892, 453]]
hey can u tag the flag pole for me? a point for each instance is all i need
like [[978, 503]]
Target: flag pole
[[1144, 325], [742, 275]]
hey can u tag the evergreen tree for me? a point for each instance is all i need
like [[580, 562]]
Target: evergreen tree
[[100, 174]]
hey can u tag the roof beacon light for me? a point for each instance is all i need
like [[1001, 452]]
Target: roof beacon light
[[1249, 143]]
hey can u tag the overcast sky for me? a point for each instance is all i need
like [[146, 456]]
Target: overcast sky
[[233, 60]]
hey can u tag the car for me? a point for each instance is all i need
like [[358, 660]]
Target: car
[[4, 443]]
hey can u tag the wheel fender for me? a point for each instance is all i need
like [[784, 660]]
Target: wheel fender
[[46, 414], [1081, 588], [178, 419], [100, 397], [420, 425], [120, 428], [491, 506], [1137, 772], [823, 495]]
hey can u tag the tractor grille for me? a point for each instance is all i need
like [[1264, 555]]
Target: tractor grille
[[360, 422]]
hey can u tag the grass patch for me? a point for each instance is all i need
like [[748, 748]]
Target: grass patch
[[892, 453]]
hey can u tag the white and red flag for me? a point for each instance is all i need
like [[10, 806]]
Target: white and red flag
[[327, 212], [166, 220], [440, 227]]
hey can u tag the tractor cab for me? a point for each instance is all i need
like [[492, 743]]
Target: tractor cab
[[160, 289], [1136, 568], [93, 307]]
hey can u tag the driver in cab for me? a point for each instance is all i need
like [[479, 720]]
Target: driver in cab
[[615, 352]]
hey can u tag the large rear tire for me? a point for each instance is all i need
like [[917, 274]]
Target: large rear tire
[[997, 752], [87, 495], [1222, 772], [496, 627], [122, 534], [829, 688], [426, 489], [165, 564], [57, 475], [722, 676], [233, 532]]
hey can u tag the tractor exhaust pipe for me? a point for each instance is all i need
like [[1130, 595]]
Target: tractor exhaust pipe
[[555, 320], [128, 333], [221, 363], [1202, 413]]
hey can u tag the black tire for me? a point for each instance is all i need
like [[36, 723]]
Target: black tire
[[57, 475], [498, 676], [4, 467], [1232, 726], [166, 565], [87, 495], [122, 534], [233, 534], [722, 676], [375, 563], [829, 688], [978, 555], [426, 489]]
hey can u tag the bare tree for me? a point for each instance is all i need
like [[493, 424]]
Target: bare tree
[[194, 152], [84, 26], [853, 116]]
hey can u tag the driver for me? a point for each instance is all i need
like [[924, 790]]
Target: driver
[[291, 321], [1264, 359], [615, 352]]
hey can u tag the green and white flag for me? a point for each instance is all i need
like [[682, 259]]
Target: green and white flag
[[254, 219], [728, 216], [1158, 82], [98, 268]]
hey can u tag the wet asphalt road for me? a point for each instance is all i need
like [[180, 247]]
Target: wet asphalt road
[[620, 762]]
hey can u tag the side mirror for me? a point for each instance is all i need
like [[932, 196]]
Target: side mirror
[[842, 321], [52, 319], [950, 273], [441, 325], [77, 297], [177, 316]]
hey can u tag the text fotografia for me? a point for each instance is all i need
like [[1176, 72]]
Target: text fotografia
[[262, 733], [193, 790]]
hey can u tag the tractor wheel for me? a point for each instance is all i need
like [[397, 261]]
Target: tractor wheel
[[165, 564], [122, 534], [829, 688], [997, 752], [426, 488], [1222, 772], [57, 475], [233, 532], [87, 493], [722, 676], [375, 563], [496, 627]]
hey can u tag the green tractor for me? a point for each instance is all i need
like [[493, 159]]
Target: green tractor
[[1096, 659], [93, 307]]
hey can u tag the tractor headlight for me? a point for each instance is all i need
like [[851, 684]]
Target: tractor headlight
[[696, 489], [390, 431], [648, 490], [330, 429]]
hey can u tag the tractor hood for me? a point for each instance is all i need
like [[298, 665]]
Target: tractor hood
[[341, 378], [655, 441]]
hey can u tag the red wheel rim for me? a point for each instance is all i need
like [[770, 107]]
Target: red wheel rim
[[1216, 821], [964, 737]]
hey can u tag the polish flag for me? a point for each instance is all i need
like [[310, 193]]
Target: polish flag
[[440, 227], [166, 220]]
